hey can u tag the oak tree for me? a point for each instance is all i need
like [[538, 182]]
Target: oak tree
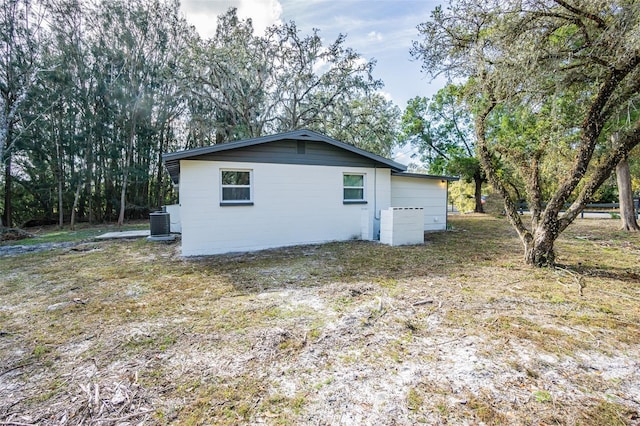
[[523, 53]]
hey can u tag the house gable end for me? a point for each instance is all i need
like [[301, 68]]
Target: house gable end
[[293, 152], [298, 147]]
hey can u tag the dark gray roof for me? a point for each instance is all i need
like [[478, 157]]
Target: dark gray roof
[[424, 176], [172, 160]]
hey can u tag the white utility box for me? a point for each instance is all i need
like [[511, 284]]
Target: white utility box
[[174, 218], [402, 226]]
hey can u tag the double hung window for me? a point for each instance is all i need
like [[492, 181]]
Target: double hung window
[[353, 188], [235, 187]]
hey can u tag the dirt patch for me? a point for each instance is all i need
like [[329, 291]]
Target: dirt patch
[[14, 234], [14, 250]]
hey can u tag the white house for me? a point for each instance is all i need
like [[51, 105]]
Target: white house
[[293, 188]]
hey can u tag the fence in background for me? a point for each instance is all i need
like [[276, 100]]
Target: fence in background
[[602, 208]]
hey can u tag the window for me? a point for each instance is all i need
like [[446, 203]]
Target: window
[[235, 187], [353, 188]]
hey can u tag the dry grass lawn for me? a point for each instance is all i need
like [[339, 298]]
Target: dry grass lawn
[[456, 331]]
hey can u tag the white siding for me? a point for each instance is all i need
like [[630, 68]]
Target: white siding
[[293, 204], [430, 194]]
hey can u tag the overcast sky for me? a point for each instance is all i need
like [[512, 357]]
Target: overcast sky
[[377, 29]]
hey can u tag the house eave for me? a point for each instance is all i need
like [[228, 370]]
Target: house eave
[[425, 176], [172, 160]]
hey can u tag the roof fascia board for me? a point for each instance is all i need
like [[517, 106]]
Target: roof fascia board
[[425, 176]]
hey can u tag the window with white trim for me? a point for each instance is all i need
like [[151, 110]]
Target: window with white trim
[[353, 188], [235, 187]]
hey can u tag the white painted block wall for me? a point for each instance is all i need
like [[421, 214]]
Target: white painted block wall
[[174, 218], [293, 204], [430, 194], [402, 226]]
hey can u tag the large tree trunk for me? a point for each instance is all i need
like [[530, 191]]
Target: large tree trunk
[[76, 198], [477, 179], [60, 176], [538, 242], [60, 205], [627, 211], [6, 215], [159, 190], [125, 172], [538, 248], [123, 194]]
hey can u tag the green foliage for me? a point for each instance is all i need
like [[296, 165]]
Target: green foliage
[[461, 194], [96, 97], [414, 399], [40, 351], [634, 166], [286, 80], [542, 396], [607, 193], [465, 167], [549, 85], [369, 122], [441, 130]]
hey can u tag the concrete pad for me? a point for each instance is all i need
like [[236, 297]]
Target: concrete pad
[[124, 234], [161, 238]]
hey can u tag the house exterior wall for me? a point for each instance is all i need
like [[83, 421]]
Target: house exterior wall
[[174, 218], [430, 194], [292, 204]]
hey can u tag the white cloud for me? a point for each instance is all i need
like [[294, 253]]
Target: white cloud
[[203, 14], [374, 36], [321, 65], [360, 61], [264, 13]]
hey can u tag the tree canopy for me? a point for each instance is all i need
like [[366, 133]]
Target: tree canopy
[[549, 82], [92, 93], [441, 128]]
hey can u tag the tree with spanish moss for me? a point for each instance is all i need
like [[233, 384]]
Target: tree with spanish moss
[[532, 54], [20, 23]]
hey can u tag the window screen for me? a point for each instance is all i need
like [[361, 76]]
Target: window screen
[[236, 185], [353, 187]]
